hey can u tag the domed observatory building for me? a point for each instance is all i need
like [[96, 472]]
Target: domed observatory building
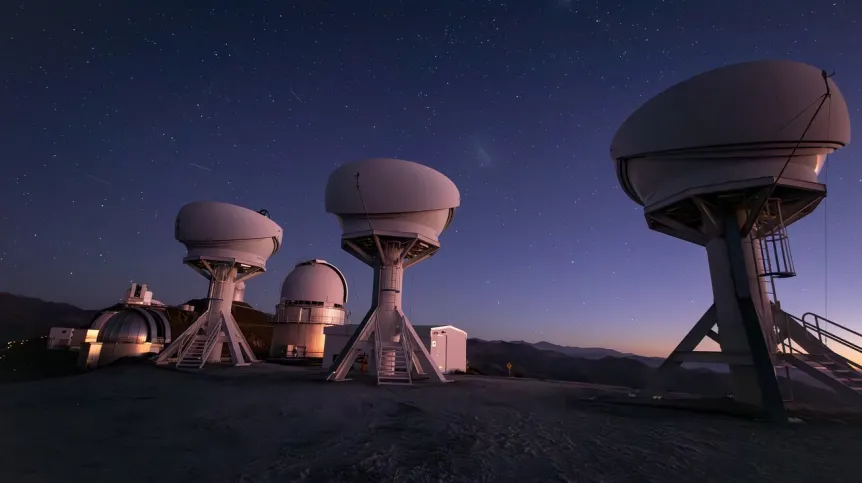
[[727, 160], [132, 331], [313, 297], [392, 213], [136, 295], [228, 245]]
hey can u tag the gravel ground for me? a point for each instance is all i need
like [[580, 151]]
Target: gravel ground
[[278, 424]]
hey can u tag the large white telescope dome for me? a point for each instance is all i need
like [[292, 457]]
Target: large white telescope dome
[[729, 124], [211, 229], [397, 195], [315, 281]]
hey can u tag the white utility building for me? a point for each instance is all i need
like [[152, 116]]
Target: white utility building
[[449, 349], [61, 337]]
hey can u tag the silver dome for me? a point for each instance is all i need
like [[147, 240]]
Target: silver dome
[[101, 318], [135, 325], [315, 281]]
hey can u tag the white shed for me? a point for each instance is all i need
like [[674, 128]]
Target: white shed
[[60, 337], [449, 349], [447, 345]]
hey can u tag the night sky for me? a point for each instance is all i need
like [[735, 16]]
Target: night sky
[[114, 116]]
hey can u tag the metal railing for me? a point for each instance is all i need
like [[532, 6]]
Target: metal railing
[[302, 315], [378, 353], [213, 335], [324, 319], [818, 327], [185, 344], [782, 330], [405, 345], [301, 352]]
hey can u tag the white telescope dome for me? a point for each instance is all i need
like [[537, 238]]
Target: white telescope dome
[[222, 230], [315, 281], [399, 196], [729, 124]]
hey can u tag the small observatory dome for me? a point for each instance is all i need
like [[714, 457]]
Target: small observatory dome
[[315, 281], [135, 325], [730, 124], [398, 196], [222, 230]]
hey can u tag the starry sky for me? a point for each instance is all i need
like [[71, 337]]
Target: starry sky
[[115, 114]]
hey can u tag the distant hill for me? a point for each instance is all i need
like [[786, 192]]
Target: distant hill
[[27, 317], [490, 358], [599, 353], [592, 352]]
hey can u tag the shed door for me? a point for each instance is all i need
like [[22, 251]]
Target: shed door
[[439, 352]]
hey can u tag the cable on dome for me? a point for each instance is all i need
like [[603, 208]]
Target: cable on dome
[[823, 98], [362, 200], [826, 96]]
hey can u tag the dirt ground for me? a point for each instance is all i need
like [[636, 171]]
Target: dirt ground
[[281, 424]]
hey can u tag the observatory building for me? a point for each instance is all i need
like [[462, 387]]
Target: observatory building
[[313, 297], [73, 337], [727, 160], [228, 245], [391, 214], [132, 331], [135, 326]]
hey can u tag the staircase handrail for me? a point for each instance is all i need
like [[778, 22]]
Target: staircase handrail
[[408, 350], [820, 317], [213, 335], [822, 331], [834, 337], [378, 353], [190, 333], [184, 345]]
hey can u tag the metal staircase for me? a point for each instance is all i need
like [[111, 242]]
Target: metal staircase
[[195, 354], [803, 343], [393, 363], [392, 367], [813, 356]]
